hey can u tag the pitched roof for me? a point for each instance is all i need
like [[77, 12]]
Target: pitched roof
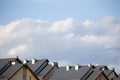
[[45, 70], [10, 71], [13, 70], [94, 75], [3, 62], [107, 72], [37, 64], [63, 74], [101, 67]]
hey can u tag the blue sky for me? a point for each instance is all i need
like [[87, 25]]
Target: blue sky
[[67, 31], [57, 9]]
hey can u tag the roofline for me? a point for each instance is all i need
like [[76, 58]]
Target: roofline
[[31, 71], [16, 72], [49, 71], [42, 64], [10, 62], [104, 75], [27, 67], [85, 73]]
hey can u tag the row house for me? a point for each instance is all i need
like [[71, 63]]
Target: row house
[[12, 69], [41, 69]]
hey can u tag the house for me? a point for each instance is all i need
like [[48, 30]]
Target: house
[[41, 68], [6, 63], [97, 75], [111, 74], [78, 73], [48, 71], [16, 71], [118, 78]]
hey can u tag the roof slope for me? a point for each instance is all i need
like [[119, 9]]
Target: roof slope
[[3, 62], [37, 64], [10, 71], [94, 75], [45, 70], [72, 74], [107, 72]]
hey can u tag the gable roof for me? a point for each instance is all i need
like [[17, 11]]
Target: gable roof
[[3, 62], [94, 75], [12, 70], [6, 63], [45, 71], [107, 72], [37, 64], [101, 67], [63, 74]]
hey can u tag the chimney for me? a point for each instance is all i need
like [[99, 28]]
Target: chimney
[[113, 69], [54, 64], [76, 67], [103, 69], [13, 62], [67, 67], [25, 61], [89, 65], [33, 61]]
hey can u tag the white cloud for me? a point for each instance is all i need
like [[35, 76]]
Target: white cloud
[[62, 26], [67, 40], [88, 23], [18, 49], [105, 41]]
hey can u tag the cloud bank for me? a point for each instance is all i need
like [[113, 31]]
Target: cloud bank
[[66, 41]]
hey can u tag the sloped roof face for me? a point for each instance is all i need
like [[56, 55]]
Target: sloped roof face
[[94, 75], [45, 70], [3, 62], [37, 64], [10, 71], [107, 72], [72, 74]]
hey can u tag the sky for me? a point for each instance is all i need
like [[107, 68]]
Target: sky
[[65, 31]]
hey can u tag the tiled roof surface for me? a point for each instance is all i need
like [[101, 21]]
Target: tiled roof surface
[[3, 62], [63, 74], [94, 75], [10, 71], [37, 64]]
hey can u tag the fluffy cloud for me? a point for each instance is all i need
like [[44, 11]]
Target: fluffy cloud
[[18, 49], [66, 41], [62, 26]]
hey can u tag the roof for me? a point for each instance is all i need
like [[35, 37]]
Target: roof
[[10, 71], [101, 67], [37, 64], [45, 70], [3, 62], [63, 74], [94, 75], [13, 70], [107, 72]]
